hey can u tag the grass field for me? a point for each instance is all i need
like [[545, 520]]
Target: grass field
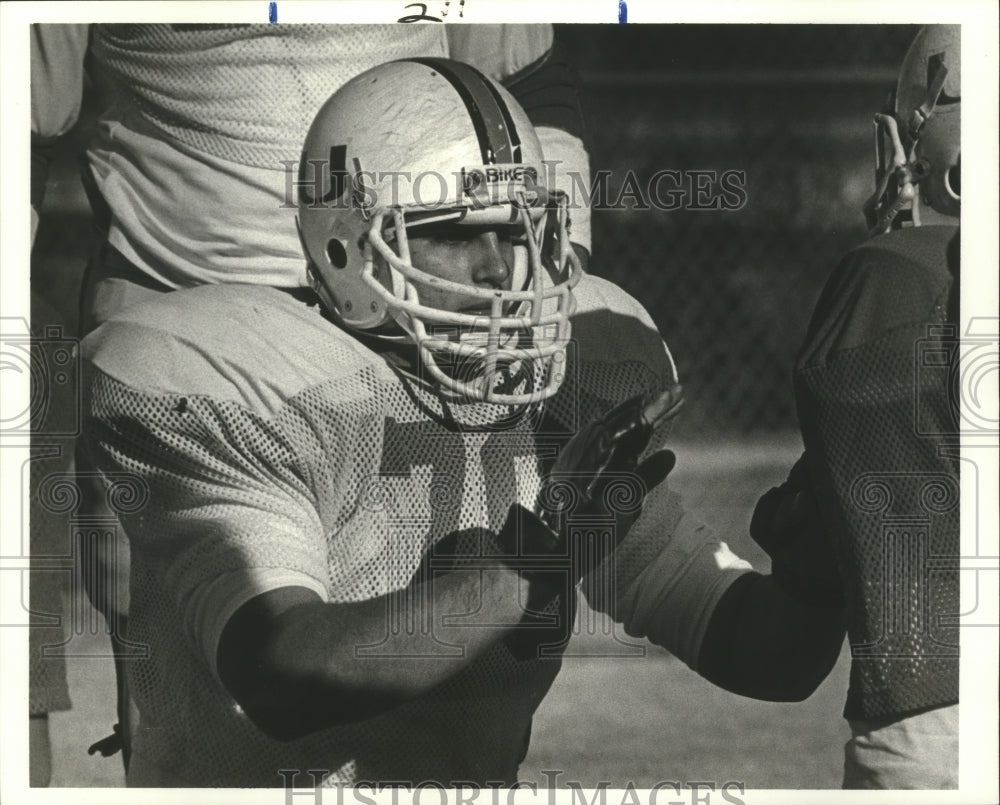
[[638, 720]]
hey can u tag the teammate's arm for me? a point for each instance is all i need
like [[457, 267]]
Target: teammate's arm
[[763, 643], [296, 664], [776, 637], [772, 637]]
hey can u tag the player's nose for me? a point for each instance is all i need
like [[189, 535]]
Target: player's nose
[[494, 265]]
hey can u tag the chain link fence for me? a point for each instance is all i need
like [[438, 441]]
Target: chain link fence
[[782, 116]]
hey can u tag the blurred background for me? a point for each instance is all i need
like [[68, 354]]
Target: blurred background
[[731, 291], [792, 107]]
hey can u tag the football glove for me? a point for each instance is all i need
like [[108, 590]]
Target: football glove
[[596, 469], [787, 524]]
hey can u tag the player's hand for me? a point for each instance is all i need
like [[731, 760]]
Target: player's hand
[[607, 449], [788, 525], [602, 454], [596, 469]]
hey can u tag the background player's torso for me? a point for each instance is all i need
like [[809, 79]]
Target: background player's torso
[[875, 398]]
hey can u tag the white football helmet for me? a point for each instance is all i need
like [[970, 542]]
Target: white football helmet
[[918, 137], [421, 141]]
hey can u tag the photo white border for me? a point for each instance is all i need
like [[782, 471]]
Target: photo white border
[[980, 657]]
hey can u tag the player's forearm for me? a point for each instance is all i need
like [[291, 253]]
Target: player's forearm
[[762, 643], [314, 665]]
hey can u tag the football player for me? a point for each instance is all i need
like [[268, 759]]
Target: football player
[[368, 503], [877, 422], [188, 169]]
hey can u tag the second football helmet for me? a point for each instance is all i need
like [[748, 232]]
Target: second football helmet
[[918, 137], [431, 141]]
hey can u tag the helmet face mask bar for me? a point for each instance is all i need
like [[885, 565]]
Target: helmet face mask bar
[[407, 120], [897, 173], [530, 325], [918, 137]]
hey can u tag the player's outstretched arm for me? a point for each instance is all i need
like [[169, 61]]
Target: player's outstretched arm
[[777, 637], [763, 643], [296, 664]]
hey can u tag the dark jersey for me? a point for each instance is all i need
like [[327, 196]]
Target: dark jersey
[[873, 385]]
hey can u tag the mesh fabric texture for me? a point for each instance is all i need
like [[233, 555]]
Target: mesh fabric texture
[[272, 441], [875, 419], [166, 75]]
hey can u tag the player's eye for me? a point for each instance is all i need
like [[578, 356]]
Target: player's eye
[[456, 235], [441, 234], [512, 234]]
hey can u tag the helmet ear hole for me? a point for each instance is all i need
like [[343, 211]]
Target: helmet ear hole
[[336, 252], [953, 179]]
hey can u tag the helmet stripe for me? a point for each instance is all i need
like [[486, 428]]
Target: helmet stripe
[[515, 140], [498, 138]]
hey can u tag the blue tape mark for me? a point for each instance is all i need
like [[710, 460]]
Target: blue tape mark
[[622, 12], [272, 13]]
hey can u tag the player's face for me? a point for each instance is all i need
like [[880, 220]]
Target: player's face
[[477, 256]]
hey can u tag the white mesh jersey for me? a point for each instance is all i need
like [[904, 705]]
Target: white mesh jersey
[[278, 450]]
